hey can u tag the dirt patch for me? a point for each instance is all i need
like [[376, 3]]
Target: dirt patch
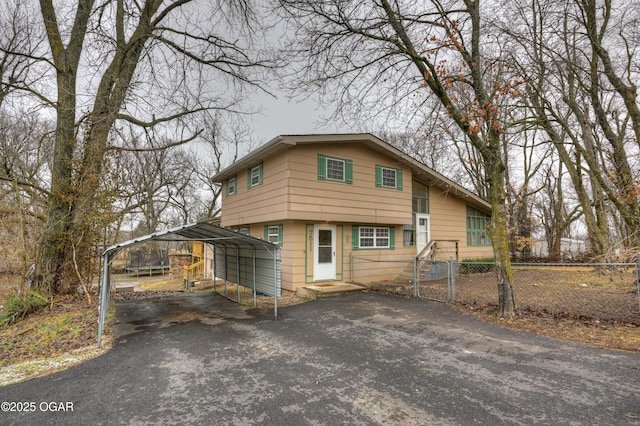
[[51, 340]]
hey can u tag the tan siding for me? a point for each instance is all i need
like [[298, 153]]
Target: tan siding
[[265, 202], [360, 201], [379, 264], [449, 222], [307, 198]]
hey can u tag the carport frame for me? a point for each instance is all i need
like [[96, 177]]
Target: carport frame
[[201, 231]]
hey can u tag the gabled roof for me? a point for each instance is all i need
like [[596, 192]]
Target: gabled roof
[[419, 170]]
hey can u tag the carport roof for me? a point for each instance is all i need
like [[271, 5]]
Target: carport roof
[[200, 231]]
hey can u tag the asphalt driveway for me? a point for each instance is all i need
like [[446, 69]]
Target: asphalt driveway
[[359, 359]]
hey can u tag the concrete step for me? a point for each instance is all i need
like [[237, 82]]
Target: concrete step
[[320, 290]]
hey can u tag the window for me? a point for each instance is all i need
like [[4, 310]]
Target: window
[[387, 177], [373, 237], [335, 169], [232, 186], [254, 176], [477, 223], [409, 235], [273, 234], [420, 198], [245, 230]]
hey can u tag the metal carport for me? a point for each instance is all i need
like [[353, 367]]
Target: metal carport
[[239, 258]]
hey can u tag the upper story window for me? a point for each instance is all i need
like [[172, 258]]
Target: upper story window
[[335, 169], [232, 186], [420, 198], [254, 176], [388, 177], [477, 223]]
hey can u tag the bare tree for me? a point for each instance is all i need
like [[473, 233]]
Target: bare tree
[[150, 64], [583, 100], [378, 55], [24, 143], [554, 212]]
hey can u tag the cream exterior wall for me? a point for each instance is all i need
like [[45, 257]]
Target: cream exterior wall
[[448, 215], [292, 195], [291, 190]]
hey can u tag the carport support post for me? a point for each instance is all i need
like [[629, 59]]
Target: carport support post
[[226, 270], [275, 283], [104, 297], [255, 302], [215, 270], [238, 271]]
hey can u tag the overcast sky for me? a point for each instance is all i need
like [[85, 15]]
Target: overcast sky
[[283, 117]]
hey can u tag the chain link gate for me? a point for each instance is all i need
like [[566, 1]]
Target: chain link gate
[[434, 279]]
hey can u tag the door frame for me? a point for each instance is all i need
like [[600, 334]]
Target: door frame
[[326, 272], [417, 218]]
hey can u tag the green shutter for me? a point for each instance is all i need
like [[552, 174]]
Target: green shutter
[[249, 178], [355, 237], [322, 167], [348, 171], [261, 170], [280, 232], [392, 238], [399, 179], [378, 176]]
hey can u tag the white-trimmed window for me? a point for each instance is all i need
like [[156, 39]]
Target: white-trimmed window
[[254, 176], [388, 177], [373, 237], [335, 169], [273, 234], [232, 186]]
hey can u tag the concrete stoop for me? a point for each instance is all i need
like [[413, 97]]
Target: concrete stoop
[[317, 291]]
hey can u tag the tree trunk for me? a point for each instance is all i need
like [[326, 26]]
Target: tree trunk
[[54, 264], [498, 232]]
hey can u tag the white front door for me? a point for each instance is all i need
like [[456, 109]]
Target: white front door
[[324, 256], [422, 231]]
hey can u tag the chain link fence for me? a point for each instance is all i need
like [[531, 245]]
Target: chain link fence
[[586, 291], [599, 291]]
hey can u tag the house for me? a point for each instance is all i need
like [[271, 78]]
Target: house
[[570, 248], [329, 199]]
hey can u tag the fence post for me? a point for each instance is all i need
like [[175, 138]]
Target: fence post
[[452, 274]]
